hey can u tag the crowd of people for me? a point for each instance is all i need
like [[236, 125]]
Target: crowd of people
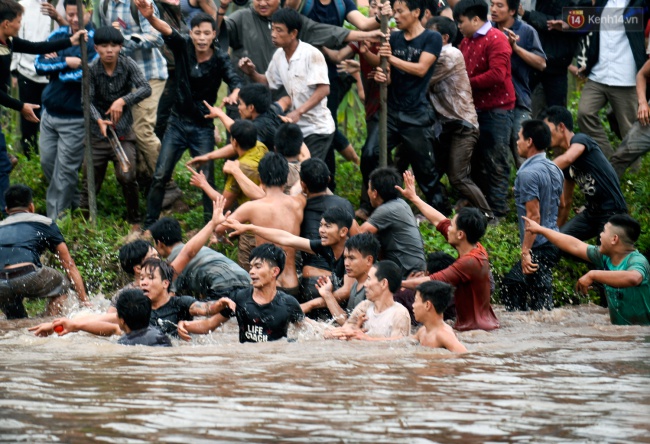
[[474, 89]]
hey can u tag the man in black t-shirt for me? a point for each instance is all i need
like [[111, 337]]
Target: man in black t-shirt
[[24, 237], [583, 164], [263, 312], [412, 53]]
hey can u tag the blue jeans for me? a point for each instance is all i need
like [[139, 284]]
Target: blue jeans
[[180, 135], [490, 166], [520, 115], [5, 169]]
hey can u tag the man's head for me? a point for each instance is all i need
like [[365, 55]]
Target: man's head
[[334, 226], [534, 137], [314, 175], [133, 254], [133, 310], [19, 197], [11, 15], [620, 229], [432, 8], [108, 43], [470, 15], [432, 296], [254, 99], [445, 26], [266, 264], [288, 141], [384, 278], [243, 135], [166, 233], [155, 278], [407, 12], [503, 11], [72, 16], [203, 32], [360, 254], [468, 225], [381, 185], [266, 8], [560, 122], [438, 261], [285, 27], [274, 170]]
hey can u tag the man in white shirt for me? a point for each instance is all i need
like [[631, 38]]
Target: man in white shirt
[[379, 317], [615, 53], [302, 70]]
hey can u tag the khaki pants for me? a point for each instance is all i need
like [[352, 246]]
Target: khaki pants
[[144, 122], [594, 97]]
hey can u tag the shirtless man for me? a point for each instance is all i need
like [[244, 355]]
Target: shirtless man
[[431, 300], [275, 210]]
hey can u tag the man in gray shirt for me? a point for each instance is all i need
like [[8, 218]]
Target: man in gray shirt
[[394, 223], [538, 191]]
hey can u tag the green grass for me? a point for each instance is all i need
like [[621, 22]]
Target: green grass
[[95, 248]]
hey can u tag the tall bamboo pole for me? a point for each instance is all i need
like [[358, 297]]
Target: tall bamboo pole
[[85, 94], [383, 95]]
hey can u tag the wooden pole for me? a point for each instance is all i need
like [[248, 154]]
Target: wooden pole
[[85, 94], [383, 95]]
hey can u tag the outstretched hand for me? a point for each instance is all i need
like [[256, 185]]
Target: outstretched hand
[[532, 226], [198, 179], [409, 186], [145, 7], [214, 111], [237, 227], [324, 286], [217, 210]]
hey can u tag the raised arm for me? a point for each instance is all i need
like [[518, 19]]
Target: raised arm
[[434, 216], [146, 9], [564, 242]]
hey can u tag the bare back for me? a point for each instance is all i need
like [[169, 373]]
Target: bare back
[[440, 337]]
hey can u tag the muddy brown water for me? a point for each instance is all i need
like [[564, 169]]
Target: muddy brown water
[[560, 376]]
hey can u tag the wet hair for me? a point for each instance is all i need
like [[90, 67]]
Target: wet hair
[[338, 216], [245, 133], [273, 169], [365, 243], [202, 17], [438, 261], [390, 271], [383, 180], [166, 270], [413, 5], [257, 95], [132, 254], [431, 6], [558, 114], [438, 293], [134, 308], [167, 231], [538, 131], [472, 222], [630, 227], [444, 25], [315, 174], [288, 17], [10, 9], [108, 34], [288, 140], [513, 5], [471, 9], [18, 196], [271, 254]]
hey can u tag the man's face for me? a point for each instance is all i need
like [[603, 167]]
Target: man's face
[[153, 286], [499, 11], [419, 307], [202, 36], [373, 8], [72, 17], [468, 27], [404, 17], [522, 145], [266, 8], [245, 111], [556, 134], [452, 233], [373, 286], [281, 36], [262, 273], [329, 233], [108, 52], [606, 238], [12, 26], [356, 265]]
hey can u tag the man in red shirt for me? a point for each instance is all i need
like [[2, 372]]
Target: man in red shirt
[[487, 56], [470, 273]]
